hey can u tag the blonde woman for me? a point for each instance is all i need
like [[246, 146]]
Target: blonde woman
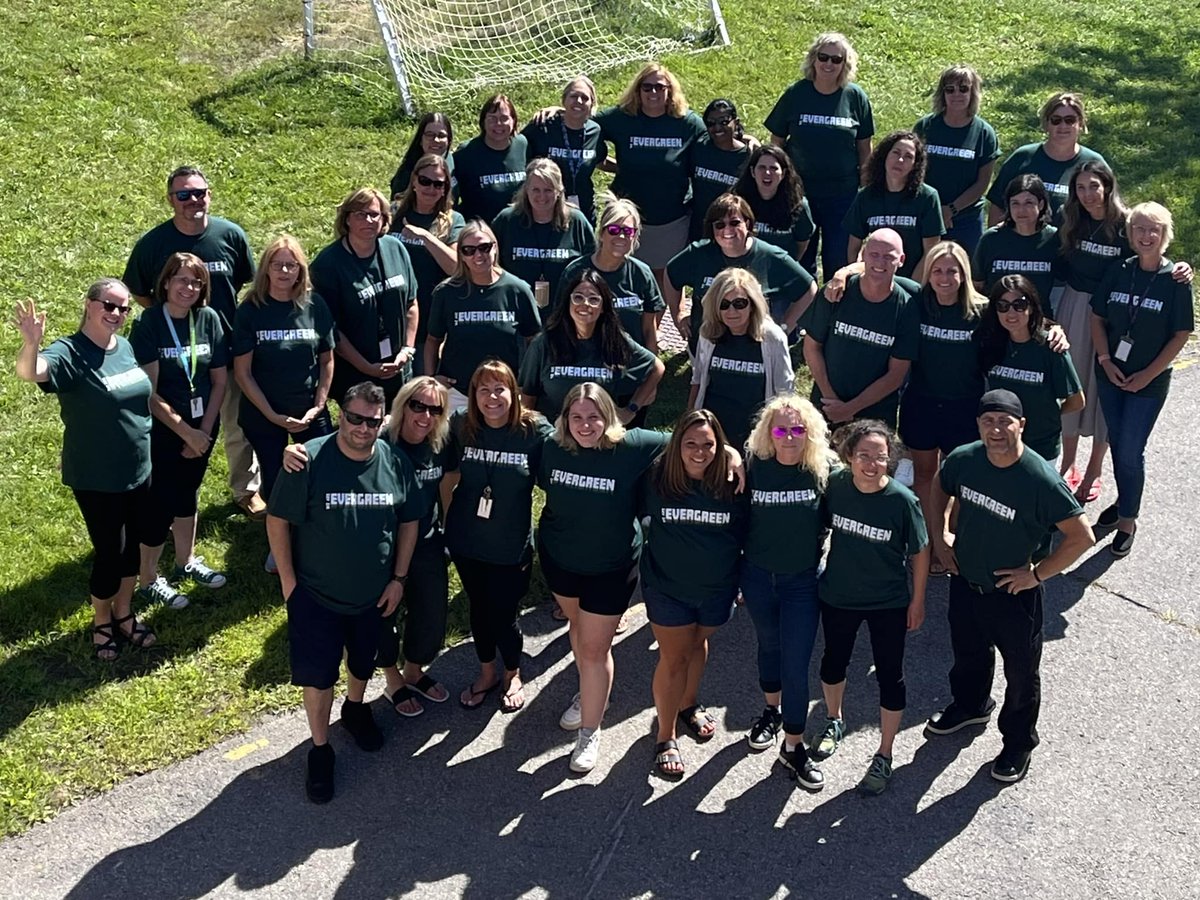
[[570, 137]]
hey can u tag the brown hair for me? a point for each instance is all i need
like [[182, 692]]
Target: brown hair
[[170, 269], [519, 418], [671, 479]]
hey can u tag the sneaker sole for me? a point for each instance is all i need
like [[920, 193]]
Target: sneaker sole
[[578, 769], [570, 726], [760, 746], [965, 723], [1010, 779], [798, 777]]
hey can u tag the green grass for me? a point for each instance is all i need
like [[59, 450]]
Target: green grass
[[99, 100]]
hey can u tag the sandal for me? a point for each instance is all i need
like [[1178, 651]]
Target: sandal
[[424, 685], [108, 649], [668, 760], [140, 636], [476, 696], [404, 695], [699, 721]]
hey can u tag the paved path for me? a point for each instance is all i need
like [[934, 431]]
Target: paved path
[[482, 804]]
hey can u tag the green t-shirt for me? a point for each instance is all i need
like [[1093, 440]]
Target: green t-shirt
[[287, 342], [871, 538], [1085, 265], [635, 292], [1042, 379], [913, 218], [104, 402], [714, 172], [786, 517], [576, 152], [369, 298], [588, 524], [822, 132], [403, 176], [947, 363], [859, 339], [505, 461], [487, 178], [428, 468], [786, 238], [152, 342], [551, 381], [1002, 251], [737, 385], [954, 155], [425, 268], [345, 515], [693, 543], [1032, 158], [1005, 513], [477, 322], [653, 160], [223, 247], [1163, 308], [535, 252]]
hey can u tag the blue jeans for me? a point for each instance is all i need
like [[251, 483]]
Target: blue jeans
[[785, 613], [967, 230], [827, 215], [1130, 419]]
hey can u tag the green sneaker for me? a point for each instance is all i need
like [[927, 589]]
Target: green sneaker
[[199, 573], [826, 745], [162, 592], [878, 775]]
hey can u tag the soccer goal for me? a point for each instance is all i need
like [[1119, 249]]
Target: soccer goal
[[437, 49]]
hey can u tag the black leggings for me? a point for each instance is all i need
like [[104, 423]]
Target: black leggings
[[495, 592], [887, 628], [423, 607], [269, 442], [116, 523], [175, 481]]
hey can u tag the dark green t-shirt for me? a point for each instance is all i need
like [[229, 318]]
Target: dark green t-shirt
[[947, 363], [693, 543], [822, 132], [588, 524], [913, 218], [786, 517], [737, 385], [535, 252], [800, 230], [1005, 513], [653, 160], [425, 268], [550, 382], [152, 342], [1097, 251], [506, 461], [635, 292], [576, 152], [287, 342], [487, 178], [478, 322], [1163, 308], [955, 155], [428, 468], [871, 538], [345, 515], [223, 247], [1032, 158], [1001, 251], [104, 402], [714, 172], [1042, 379], [369, 298], [860, 338]]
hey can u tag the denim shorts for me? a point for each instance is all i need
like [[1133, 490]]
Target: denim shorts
[[671, 612]]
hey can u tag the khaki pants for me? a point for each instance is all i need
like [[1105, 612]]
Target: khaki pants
[[243, 467]]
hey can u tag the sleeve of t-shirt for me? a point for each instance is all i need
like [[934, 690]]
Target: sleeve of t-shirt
[[648, 290], [437, 312], [649, 443], [413, 506], [793, 279], [804, 227], [532, 133], [323, 282], [910, 287], [500, 227], [323, 318], [62, 369], [141, 339], [1008, 171], [243, 329], [410, 276], [607, 119], [243, 267], [289, 498], [530, 378], [855, 221], [529, 322], [1099, 301], [948, 474], [908, 331], [680, 265], [582, 234], [136, 278], [820, 318], [916, 535], [1183, 317], [219, 345], [1064, 377], [641, 362], [1055, 502], [457, 224], [779, 118], [931, 215], [981, 259], [866, 118], [988, 147], [454, 442]]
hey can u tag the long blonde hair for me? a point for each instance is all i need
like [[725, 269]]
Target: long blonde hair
[[835, 39], [461, 274], [970, 301], [440, 431], [631, 100], [260, 292], [442, 218], [817, 453], [547, 170]]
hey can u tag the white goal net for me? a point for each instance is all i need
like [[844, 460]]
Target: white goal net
[[437, 49]]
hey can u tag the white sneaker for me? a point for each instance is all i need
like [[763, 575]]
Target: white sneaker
[[586, 752], [572, 717], [904, 472]]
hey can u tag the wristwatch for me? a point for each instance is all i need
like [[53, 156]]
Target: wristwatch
[[400, 579], [633, 407]]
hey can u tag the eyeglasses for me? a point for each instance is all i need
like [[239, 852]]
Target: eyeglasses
[[836, 58], [418, 406], [625, 231], [367, 215], [579, 97], [959, 88], [484, 247], [735, 302], [426, 181], [794, 431], [867, 459], [725, 224], [718, 123], [1063, 120], [355, 419], [114, 307], [503, 119], [591, 300], [191, 284], [285, 267], [654, 87], [1021, 304], [192, 194]]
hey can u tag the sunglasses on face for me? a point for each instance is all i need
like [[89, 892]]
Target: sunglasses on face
[[484, 247], [426, 181], [592, 300], [655, 88], [959, 88], [794, 431], [728, 223], [419, 406], [1021, 304], [625, 231], [735, 302], [836, 58], [114, 307], [192, 194], [1063, 120], [355, 419]]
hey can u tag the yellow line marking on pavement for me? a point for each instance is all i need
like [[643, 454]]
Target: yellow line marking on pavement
[[246, 749]]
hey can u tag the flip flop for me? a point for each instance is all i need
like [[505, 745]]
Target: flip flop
[[402, 695], [477, 697], [510, 701], [424, 685]]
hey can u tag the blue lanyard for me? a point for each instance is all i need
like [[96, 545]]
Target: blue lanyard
[[187, 362], [572, 163]]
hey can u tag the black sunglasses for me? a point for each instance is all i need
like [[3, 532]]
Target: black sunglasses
[[472, 249], [418, 406], [835, 58], [425, 181], [735, 302], [355, 419], [1020, 305], [193, 194], [961, 88], [114, 307]]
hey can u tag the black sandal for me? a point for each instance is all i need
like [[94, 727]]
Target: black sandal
[[695, 718], [139, 632], [403, 695], [107, 650], [668, 752]]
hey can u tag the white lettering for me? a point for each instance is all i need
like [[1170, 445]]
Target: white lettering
[[861, 529], [864, 335], [583, 482], [337, 499], [988, 504]]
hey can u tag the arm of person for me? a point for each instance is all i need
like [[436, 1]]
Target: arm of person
[[801, 246], [863, 145], [143, 302], [433, 351], [853, 247], [835, 287], [324, 382], [279, 537], [843, 411], [814, 357], [648, 390], [393, 593], [443, 254], [1159, 364], [528, 401], [927, 244], [295, 457], [920, 578], [1099, 327], [650, 331], [31, 365], [1077, 537], [995, 215], [446, 492], [795, 312], [349, 352], [252, 392], [195, 440], [778, 141], [1074, 403], [673, 297], [693, 393], [943, 548], [971, 195]]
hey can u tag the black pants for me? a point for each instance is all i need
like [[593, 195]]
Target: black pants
[[495, 592], [980, 624], [423, 609], [345, 376], [175, 481], [269, 443], [116, 523], [887, 628]]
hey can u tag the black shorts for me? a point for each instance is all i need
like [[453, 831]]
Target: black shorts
[[927, 423], [605, 594], [317, 635]]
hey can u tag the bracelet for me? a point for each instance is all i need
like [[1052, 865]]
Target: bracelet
[[400, 579], [1036, 576], [1103, 358]]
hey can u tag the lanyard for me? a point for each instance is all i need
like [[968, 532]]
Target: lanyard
[[573, 163], [187, 362], [1135, 302]]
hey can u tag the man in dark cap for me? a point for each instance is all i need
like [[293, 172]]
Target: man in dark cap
[[1006, 500]]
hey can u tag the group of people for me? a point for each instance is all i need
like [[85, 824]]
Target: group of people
[[497, 320]]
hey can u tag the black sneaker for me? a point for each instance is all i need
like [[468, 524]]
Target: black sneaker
[[803, 769], [357, 719], [319, 782], [766, 729], [1109, 517], [1010, 765], [953, 718], [1122, 543]]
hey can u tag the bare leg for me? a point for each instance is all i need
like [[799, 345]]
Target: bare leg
[[318, 704], [833, 698], [183, 532], [696, 664], [676, 645], [593, 658], [1070, 452], [150, 557], [889, 726]]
